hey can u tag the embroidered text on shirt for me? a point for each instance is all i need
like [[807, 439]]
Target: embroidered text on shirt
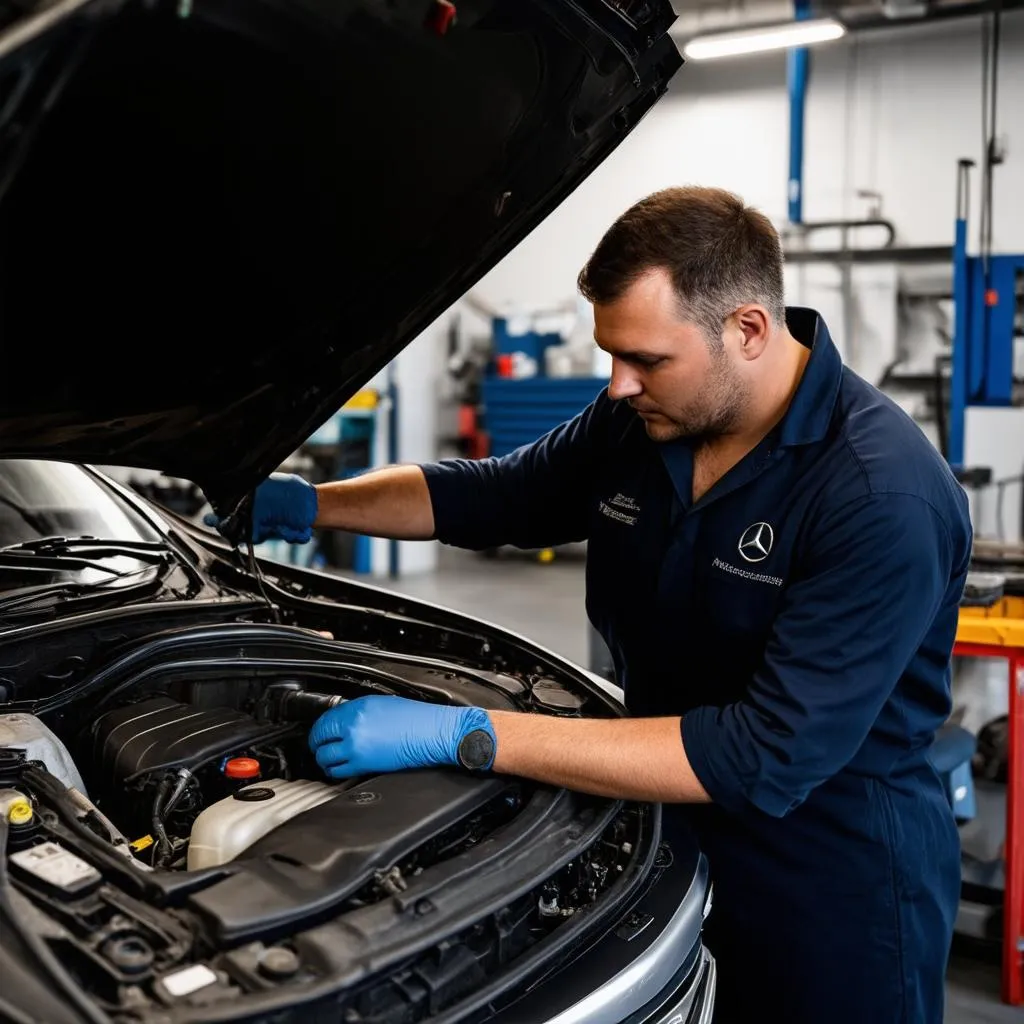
[[621, 508]]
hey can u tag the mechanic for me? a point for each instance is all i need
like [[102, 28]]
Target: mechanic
[[776, 556]]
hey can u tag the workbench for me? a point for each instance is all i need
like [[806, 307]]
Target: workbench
[[998, 632]]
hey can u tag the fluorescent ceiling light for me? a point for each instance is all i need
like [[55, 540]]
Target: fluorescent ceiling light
[[769, 37]]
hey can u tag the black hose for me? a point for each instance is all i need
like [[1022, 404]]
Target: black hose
[[307, 705], [42, 952], [275, 753], [184, 777], [163, 841]]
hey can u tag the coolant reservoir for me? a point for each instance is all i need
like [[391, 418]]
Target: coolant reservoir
[[40, 743], [230, 826]]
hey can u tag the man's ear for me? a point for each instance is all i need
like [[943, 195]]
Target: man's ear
[[755, 326]]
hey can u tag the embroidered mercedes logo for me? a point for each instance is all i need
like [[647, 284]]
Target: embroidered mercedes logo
[[756, 542]]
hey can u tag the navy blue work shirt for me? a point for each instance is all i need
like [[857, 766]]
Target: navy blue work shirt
[[800, 618]]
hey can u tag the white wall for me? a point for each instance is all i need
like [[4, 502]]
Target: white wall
[[995, 438], [891, 111], [419, 372], [709, 129]]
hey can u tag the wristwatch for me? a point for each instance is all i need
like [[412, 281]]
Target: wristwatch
[[476, 750]]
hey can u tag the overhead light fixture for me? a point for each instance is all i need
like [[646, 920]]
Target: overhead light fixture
[[737, 42]]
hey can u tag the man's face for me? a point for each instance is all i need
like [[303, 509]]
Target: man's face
[[679, 384]]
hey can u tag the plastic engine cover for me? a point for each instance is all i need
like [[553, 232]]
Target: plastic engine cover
[[160, 733], [310, 864]]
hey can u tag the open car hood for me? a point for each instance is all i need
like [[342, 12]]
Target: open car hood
[[219, 218]]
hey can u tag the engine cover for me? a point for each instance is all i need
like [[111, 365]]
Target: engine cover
[[316, 860], [160, 733]]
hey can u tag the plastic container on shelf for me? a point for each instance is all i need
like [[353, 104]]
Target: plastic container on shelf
[[558, 362]]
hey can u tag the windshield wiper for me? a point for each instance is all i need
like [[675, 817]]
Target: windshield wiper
[[58, 553], [25, 598], [57, 545]]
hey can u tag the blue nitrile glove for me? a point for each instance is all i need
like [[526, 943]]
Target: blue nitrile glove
[[387, 734], [284, 508]]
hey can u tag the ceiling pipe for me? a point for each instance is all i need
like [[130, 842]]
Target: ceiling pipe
[[797, 66], [695, 18], [863, 21], [874, 15]]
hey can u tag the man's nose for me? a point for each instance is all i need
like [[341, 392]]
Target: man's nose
[[624, 382]]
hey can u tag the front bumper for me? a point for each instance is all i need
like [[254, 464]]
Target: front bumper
[[651, 968], [693, 1002]]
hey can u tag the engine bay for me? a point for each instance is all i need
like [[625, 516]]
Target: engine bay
[[173, 816], [200, 737], [165, 762]]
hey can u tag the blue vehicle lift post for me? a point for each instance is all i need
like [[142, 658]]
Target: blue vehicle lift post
[[797, 60], [984, 299]]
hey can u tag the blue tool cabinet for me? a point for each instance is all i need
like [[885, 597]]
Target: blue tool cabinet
[[516, 412]]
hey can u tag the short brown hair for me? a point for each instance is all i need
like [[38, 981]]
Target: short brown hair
[[720, 253]]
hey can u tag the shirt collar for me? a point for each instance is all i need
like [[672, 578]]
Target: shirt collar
[[810, 412], [808, 416]]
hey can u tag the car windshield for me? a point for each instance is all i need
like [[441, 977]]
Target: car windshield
[[46, 499]]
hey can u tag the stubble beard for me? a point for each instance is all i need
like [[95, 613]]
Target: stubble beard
[[715, 411]]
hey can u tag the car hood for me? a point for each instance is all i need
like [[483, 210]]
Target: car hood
[[219, 219]]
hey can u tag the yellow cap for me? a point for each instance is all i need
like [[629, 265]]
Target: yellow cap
[[19, 812], [141, 844]]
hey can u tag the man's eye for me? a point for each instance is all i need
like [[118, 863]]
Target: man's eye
[[649, 362]]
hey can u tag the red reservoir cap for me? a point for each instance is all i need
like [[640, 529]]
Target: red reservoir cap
[[242, 768]]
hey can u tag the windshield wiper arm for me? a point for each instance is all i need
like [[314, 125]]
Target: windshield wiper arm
[[57, 545], [28, 596], [59, 553]]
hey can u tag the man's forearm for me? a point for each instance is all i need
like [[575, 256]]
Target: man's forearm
[[393, 502], [628, 759]]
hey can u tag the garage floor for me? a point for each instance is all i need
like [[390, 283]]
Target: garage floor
[[545, 603]]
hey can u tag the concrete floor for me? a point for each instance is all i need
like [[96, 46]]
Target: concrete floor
[[545, 603], [504, 590]]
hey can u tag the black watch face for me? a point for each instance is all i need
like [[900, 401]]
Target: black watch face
[[476, 749]]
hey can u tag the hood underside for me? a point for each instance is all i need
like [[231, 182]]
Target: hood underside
[[218, 219]]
